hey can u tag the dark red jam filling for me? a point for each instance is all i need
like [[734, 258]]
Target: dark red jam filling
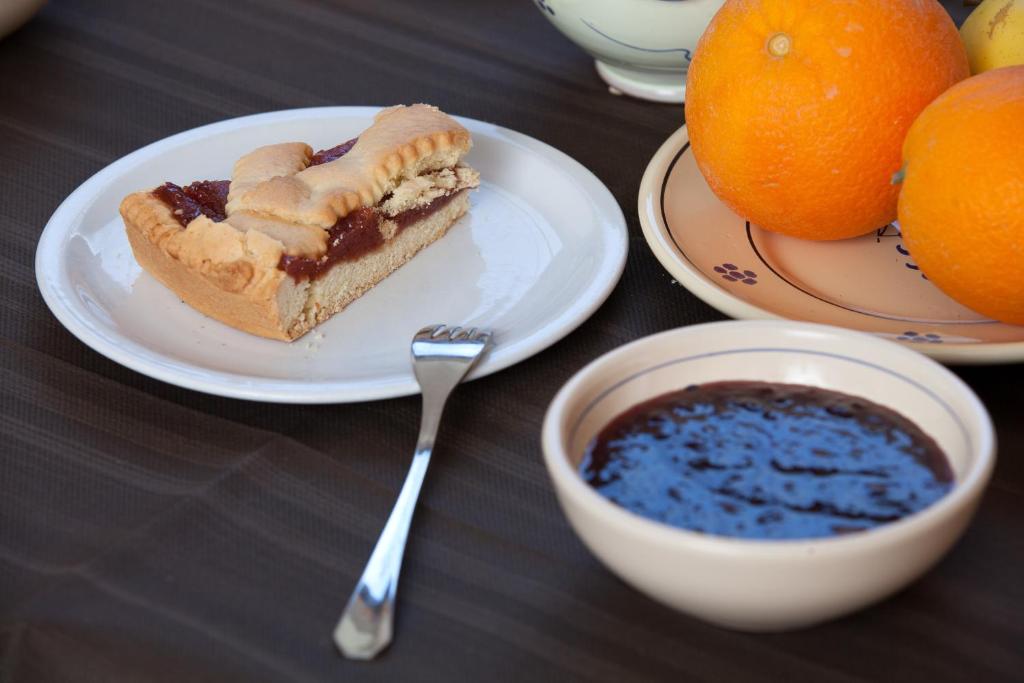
[[326, 155], [354, 236], [206, 197], [764, 460]]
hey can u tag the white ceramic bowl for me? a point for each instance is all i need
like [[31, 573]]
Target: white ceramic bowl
[[642, 47], [767, 585]]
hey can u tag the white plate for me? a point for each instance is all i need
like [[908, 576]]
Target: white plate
[[869, 283], [543, 246]]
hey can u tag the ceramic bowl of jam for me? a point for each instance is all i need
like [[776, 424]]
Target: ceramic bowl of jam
[[767, 475]]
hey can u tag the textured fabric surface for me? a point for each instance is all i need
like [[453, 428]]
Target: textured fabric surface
[[149, 533]]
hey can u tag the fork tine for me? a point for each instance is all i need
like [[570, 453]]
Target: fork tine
[[446, 333], [427, 331]]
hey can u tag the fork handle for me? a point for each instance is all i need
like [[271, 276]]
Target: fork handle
[[365, 627]]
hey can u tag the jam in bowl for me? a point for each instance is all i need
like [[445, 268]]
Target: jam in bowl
[[766, 460], [767, 475]]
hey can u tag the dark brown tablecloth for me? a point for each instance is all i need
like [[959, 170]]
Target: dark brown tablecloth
[[152, 533]]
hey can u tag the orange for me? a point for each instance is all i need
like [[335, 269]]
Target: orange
[[797, 109], [961, 204]]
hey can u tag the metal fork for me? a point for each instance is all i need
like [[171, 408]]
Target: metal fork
[[441, 357]]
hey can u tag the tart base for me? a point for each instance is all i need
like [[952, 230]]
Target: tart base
[[258, 298]]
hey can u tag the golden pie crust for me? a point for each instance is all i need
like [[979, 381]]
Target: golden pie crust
[[279, 205]]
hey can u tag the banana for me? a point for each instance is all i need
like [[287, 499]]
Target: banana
[[994, 35]]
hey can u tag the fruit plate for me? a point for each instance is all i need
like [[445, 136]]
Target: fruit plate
[[868, 283]]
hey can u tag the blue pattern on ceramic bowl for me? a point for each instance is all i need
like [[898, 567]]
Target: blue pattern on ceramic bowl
[[545, 7], [732, 273], [917, 338]]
